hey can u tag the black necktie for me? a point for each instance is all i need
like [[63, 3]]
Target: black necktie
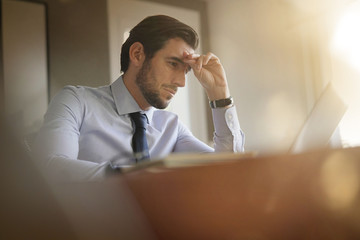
[[139, 142]]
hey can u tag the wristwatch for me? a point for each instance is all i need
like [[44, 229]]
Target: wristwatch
[[221, 103]]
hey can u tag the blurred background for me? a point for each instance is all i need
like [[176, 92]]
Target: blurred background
[[280, 57]]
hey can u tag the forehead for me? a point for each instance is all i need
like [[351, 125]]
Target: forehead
[[175, 47]]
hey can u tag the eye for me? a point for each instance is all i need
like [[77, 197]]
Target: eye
[[173, 64]]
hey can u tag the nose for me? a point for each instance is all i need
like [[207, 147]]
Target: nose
[[180, 79]]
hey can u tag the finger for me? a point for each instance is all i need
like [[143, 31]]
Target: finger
[[199, 62], [195, 56], [194, 60], [207, 57], [212, 58], [188, 56], [190, 61]]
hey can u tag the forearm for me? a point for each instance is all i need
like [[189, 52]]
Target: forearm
[[56, 154], [62, 169]]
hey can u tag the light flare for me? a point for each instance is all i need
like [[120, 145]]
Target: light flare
[[347, 37]]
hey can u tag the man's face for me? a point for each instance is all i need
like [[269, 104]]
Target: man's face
[[159, 78]]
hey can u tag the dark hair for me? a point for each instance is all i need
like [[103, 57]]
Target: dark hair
[[153, 32]]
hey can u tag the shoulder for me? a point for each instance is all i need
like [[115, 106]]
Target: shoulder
[[81, 92], [70, 90]]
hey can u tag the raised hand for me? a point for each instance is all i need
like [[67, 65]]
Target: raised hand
[[210, 73]]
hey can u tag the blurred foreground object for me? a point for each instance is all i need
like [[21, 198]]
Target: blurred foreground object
[[313, 195], [27, 208], [32, 208]]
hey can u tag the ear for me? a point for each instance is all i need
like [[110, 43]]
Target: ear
[[136, 54]]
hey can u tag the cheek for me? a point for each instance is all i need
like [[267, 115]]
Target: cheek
[[153, 80], [160, 75]]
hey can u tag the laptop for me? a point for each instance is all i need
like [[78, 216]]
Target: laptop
[[321, 122]]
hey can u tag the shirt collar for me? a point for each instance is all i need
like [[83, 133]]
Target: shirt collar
[[124, 101]]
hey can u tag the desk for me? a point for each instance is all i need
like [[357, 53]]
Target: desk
[[306, 196]]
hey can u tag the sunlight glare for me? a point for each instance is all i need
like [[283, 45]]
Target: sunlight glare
[[347, 37]]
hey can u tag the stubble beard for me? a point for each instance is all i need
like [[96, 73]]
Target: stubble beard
[[147, 86]]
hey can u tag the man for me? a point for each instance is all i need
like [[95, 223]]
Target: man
[[87, 129]]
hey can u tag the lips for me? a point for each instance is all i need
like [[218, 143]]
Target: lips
[[171, 90]]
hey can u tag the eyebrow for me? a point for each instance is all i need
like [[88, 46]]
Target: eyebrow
[[188, 69]]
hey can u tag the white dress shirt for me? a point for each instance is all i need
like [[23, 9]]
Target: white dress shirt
[[86, 128]]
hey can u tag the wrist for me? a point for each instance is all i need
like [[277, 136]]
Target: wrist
[[219, 93], [222, 103]]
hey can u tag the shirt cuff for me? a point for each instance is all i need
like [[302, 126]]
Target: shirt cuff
[[225, 121]]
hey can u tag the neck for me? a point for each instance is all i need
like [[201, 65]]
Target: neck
[[129, 79]]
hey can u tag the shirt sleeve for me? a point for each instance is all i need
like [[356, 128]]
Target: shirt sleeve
[[56, 146], [228, 135], [187, 142]]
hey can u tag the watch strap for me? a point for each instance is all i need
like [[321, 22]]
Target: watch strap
[[221, 103]]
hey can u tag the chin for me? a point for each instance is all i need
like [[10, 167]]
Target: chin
[[165, 105], [161, 105]]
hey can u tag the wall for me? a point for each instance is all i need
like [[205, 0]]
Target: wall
[[262, 53], [25, 80], [78, 43], [66, 44]]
